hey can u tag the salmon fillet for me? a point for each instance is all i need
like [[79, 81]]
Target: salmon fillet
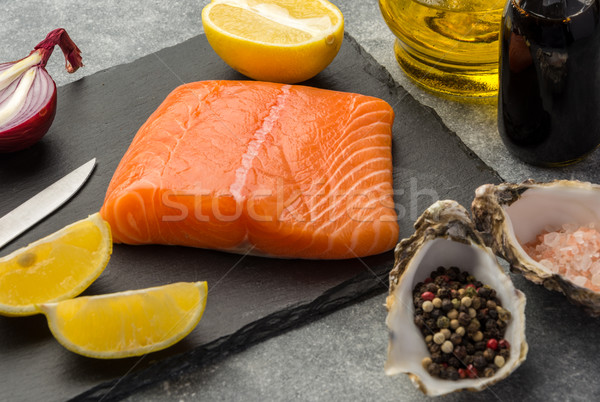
[[259, 168]]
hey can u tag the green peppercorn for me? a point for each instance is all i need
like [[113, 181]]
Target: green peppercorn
[[452, 314], [503, 314], [473, 325], [491, 304], [427, 306], [437, 302], [447, 347], [461, 292], [499, 361], [439, 338], [456, 303], [443, 322], [476, 303], [454, 324]]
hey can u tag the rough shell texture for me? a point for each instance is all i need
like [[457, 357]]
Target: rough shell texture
[[509, 215], [445, 236]]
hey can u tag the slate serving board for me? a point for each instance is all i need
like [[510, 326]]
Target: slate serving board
[[250, 298]]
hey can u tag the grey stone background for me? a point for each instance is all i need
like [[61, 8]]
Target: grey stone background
[[339, 357]]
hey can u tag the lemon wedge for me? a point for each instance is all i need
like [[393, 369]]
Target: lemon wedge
[[126, 324], [57, 267], [285, 41]]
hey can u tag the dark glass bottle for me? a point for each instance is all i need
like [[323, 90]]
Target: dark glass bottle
[[549, 94]]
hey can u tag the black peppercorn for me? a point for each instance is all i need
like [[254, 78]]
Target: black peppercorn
[[419, 321], [479, 362], [468, 360], [484, 291], [435, 313], [436, 357], [480, 345], [447, 305], [504, 353], [501, 324], [464, 319], [490, 324], [489, 354], [454, 362], [452, 373], [489, 372], [460, 352], [434, 369], [455, 339], [431, 287], [470, 348]]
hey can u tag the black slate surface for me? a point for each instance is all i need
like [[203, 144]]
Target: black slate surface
[[250, 298]]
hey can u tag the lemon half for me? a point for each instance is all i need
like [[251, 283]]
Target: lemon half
[[285, 41], [130, 323], [57, 267]]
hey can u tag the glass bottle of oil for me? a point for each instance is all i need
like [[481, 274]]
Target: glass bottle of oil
[[448, 46], [549, 98]]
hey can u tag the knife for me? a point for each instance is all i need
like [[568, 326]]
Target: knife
[[43, 203]]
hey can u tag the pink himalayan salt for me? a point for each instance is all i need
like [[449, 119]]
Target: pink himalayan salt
[[573, 252]]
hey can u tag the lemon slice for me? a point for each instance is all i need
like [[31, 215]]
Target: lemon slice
[[284, 41], [57, 267], [126, 324]]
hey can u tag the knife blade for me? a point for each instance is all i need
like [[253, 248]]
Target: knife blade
[[43, 203]]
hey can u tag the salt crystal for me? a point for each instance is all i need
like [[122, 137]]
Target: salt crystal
[[551, 239], [550, 265], [595, 268], [596, 280], [579, 280]]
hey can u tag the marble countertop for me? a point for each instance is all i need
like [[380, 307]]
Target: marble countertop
[[339, 356]]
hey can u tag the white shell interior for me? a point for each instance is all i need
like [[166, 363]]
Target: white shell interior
[[540, 208], [407, 346]]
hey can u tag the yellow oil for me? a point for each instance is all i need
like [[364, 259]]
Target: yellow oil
[[448, 46]]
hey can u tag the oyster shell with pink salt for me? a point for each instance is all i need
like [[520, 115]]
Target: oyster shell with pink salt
[[548, 232]]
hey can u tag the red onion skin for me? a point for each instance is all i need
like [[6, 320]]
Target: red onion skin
[[31, 130]]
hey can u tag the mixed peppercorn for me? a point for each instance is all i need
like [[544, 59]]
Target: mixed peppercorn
[[463, 323]]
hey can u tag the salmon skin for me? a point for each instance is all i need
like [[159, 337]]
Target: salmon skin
[[259, 168]]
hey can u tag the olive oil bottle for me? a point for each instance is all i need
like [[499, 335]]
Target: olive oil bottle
[[448, 46], [549, 97]]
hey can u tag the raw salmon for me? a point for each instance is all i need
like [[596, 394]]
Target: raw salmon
[[259, 168]]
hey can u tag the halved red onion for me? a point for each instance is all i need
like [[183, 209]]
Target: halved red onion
[[28, 93]]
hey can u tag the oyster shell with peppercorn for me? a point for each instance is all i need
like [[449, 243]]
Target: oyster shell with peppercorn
[[445, 236], [511, 216]]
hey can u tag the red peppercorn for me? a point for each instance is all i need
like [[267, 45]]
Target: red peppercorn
[[427, 296], [470, 285], [504, 344], [492, 344], [427, 280], [445, 365], [471, 371], [462, 373], [446, 278]]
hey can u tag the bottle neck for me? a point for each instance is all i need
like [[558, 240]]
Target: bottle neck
[[554, 9]]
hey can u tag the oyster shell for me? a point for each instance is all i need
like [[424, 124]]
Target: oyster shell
[[445, 236], [510, 215]]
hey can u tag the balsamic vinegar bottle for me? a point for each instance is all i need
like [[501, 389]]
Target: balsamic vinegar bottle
[[549, 93]]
